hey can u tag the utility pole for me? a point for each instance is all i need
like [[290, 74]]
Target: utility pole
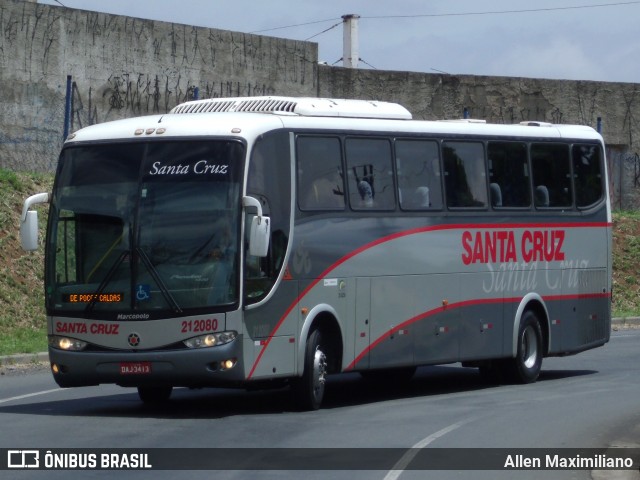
[[350, 51]]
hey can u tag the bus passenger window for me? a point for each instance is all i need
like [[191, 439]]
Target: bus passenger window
[[320, 179], [551, 175], [419, 182], [509, 185], [370, 174], [465, 174], [587, 174]]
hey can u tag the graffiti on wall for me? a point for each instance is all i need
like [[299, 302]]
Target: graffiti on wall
[[128, 95]]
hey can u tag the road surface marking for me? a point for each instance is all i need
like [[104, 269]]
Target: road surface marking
[[406, 459], [29, 395]]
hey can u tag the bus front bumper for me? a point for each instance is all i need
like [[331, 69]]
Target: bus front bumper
[[216, 366]]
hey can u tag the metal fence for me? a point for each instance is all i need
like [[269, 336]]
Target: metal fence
[[624, 178]]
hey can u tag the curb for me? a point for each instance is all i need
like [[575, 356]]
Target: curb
[[43, 357], [625, 322], [23, 359]]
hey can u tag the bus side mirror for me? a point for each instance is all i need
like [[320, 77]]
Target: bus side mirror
[[29, 222], [29, 232], [260, 229], [259, 238]]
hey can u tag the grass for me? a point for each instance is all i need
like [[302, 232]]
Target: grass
[[626, 263], [22, 316]]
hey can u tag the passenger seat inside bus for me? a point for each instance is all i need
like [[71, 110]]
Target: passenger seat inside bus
[[496, 195], [542, 196]]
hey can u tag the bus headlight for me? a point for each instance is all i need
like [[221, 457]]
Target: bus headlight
[[65, 343], [210, 340]]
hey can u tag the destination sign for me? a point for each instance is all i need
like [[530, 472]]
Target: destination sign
[[113, 297]]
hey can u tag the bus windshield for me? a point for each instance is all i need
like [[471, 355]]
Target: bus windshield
[[147, 228]]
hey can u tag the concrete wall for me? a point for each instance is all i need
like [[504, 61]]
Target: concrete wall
[[122, 67], [496, 99]]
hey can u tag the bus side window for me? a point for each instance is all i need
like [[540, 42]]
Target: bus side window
[[587, 174], [465, 174], [509, 185], [551, 173], [320, 177], [370, 174], [419, 181]]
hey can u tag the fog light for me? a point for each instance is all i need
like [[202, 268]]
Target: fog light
[[54, 368], [228, 364]]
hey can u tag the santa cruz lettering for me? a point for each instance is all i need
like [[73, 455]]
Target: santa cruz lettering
[[93, 328], [502, 246], [202, 167]]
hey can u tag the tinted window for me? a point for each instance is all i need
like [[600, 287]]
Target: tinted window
[[587, 172], [509, 183], [320, 176], [419, 182], [269, 181], [465, 174], [551, 175], [370, 174]]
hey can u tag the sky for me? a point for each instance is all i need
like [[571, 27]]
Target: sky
[[555, 39]]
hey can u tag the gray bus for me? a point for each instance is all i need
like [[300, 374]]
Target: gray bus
[[274, 241]]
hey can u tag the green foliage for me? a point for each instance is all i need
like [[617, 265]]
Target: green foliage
[[22, 317]]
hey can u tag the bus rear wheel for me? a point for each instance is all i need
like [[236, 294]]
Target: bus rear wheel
[[154, 395], [526, 366], [309, 389]]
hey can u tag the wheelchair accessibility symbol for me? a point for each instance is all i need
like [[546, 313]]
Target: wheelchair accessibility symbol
[[143, 292]]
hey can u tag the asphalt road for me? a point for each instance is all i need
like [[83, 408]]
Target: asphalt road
[[588, 400]]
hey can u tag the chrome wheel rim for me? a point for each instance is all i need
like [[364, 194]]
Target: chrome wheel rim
[[529, 345], [319, 373]]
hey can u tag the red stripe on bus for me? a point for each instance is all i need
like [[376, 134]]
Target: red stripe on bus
[[465, 303], [406, 233]]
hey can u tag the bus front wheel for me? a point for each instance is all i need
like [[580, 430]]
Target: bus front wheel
[[526, 366], [309, 389]]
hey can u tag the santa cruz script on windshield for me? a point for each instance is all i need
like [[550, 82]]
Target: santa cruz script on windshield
[[201, 167]]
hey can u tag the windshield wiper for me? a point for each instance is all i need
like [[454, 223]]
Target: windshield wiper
[[156, 277], [106, 280]]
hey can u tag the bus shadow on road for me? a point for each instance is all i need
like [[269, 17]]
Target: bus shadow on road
[[345, 390], [427, 382]]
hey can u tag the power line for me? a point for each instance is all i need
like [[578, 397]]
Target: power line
[[501, 12], [297, 25], [324, 31], [462, 14]]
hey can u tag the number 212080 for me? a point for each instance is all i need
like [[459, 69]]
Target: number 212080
[[208, 325]]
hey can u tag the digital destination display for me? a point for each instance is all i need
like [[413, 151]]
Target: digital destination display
[[93, 297]]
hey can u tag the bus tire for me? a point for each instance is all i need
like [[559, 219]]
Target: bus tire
[[154, 395], [526, 366], [309, 389]]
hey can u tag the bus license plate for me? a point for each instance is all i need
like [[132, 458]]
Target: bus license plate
[[135, 368]]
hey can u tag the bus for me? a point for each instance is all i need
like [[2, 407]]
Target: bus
[[273, 241]]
